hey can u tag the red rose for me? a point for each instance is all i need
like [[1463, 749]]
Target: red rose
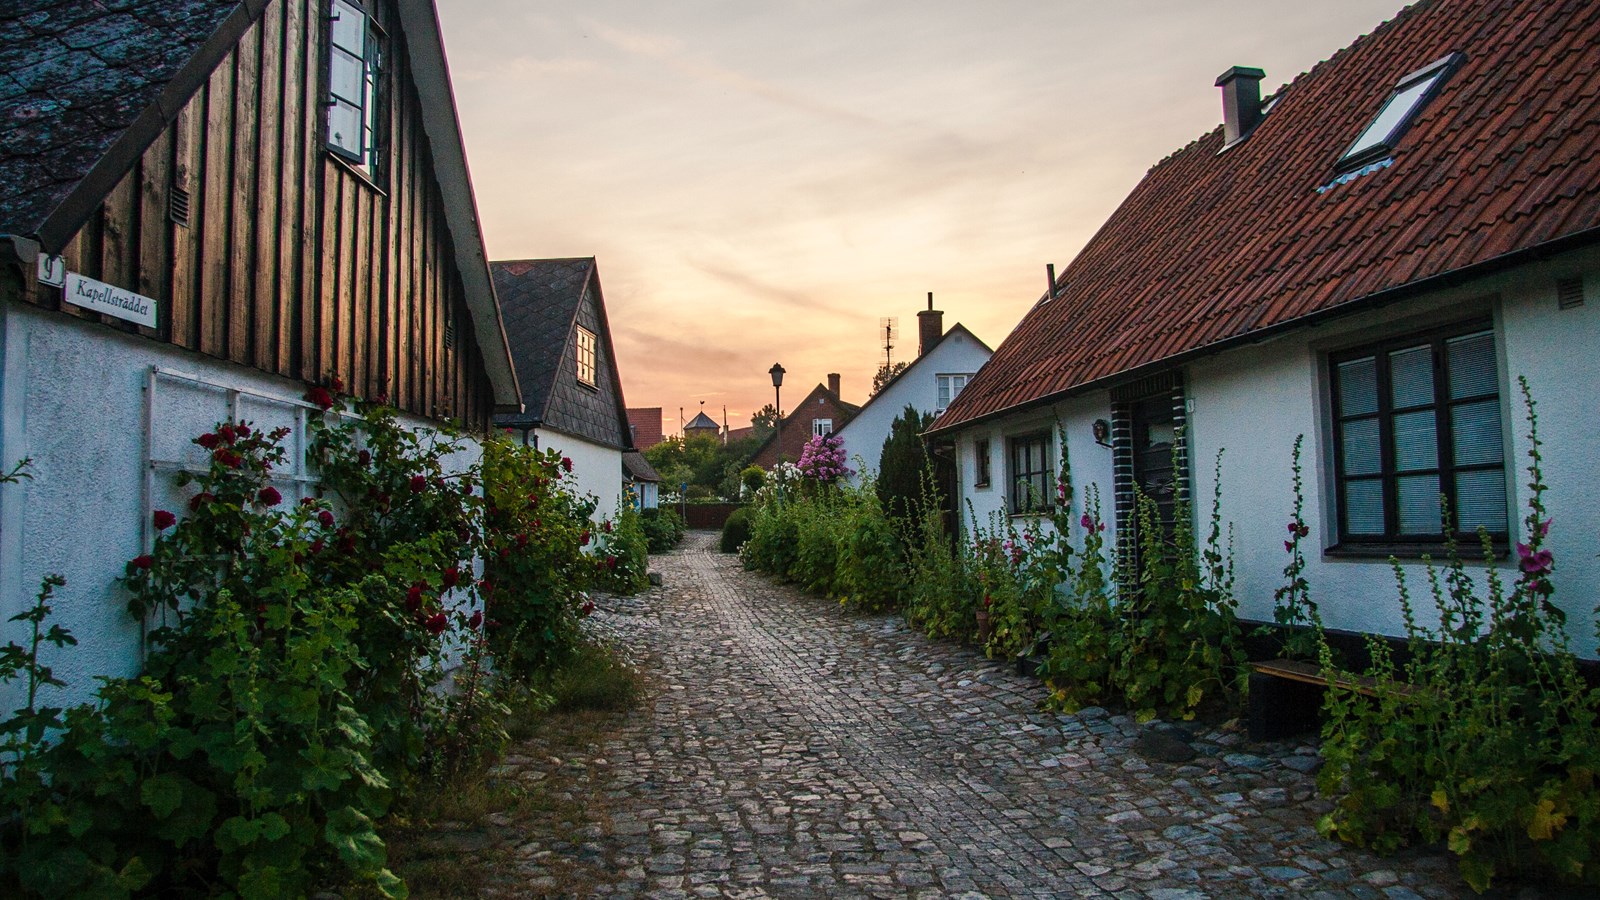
[[414, 598], [226, 433], [317, 545], [583, 538], [586, 608], [522, 541], [269, 496], [163, 520], [611, 562], [436, 623], [143, 562], [475, 620], [308, 501], [337, 383], [566, 463], [466, 485], [242, 430], [486, 587], [200, 499], [320, 397], [208, 441], [326, 518], [451, 576], [419, 483], [364, 458], [607, 526]]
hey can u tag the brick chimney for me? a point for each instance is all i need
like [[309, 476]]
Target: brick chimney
[[833, 383], [1241, 102], [930, 327]]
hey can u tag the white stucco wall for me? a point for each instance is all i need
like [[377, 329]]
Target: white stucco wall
[[864, 435], [74, 400], [1252, 402], [597, 469]]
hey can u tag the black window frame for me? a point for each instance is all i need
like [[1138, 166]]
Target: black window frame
[[370, 160], [1394, 542], [983, 468], [1042, 478]]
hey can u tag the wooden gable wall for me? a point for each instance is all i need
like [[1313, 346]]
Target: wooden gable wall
[[292, 262]]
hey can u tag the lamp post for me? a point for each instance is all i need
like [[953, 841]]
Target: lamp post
[[777, 439]]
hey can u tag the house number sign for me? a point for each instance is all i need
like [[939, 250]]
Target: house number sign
[[109, 299]]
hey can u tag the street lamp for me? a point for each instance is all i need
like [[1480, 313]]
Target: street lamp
[[777, 395]]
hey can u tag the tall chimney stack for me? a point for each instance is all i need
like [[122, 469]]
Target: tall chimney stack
[[930, 327], [833, 383], [1241, 102]]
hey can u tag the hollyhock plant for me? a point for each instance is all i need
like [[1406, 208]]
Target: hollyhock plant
[[823, 460]]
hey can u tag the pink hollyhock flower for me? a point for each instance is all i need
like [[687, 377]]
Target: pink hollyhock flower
[[163, 520], [1086, 522], [1288, 546], [1534, 562]]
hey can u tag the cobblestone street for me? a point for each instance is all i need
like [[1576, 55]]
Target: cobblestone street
[[790, 749]]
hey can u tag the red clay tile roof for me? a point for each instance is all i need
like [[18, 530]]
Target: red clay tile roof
[[1209, 248], [646, 422]]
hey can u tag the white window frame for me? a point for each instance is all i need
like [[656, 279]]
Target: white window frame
[[361, 62], [949, 388], [586, 357], [821, 427]]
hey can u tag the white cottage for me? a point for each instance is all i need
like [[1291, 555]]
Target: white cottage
[[946, 361], [1372, 258]]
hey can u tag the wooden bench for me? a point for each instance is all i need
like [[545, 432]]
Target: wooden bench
[[1286, 696]]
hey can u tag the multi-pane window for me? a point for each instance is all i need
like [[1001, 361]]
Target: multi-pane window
[[1417, 422], [980, 452], [585, 356], [354, 62], [1030, 473], [821, 427], [949, 387]]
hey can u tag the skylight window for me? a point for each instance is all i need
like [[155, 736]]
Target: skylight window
[[1410, 95]]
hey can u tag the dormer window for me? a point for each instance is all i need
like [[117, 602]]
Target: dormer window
[[354, 61], [586, 356], [1410, 95]]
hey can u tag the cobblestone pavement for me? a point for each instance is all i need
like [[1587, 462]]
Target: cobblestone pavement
[[790, 749]]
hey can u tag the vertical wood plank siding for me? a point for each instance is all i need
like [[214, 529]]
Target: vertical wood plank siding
[[292, 262]]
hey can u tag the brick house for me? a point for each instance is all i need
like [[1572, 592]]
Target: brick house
[[822, 411]]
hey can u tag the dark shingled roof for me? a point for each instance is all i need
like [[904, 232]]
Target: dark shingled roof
[[1213, 249], [703, 421], [634, 463], [76, 75], [541, 304]]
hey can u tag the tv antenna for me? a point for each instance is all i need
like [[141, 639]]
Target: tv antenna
[[888, 331]]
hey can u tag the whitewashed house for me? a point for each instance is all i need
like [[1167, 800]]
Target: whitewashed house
[[1372, 258], [945, 361], [555, 319], [194, 223]]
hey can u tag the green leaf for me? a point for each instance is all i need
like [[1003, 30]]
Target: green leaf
[[163, 794], [351, 834]]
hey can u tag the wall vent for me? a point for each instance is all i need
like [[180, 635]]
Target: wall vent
[[178, 206], [1569, 293], [449, 335]]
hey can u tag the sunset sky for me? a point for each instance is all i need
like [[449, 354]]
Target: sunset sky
[[761, 182]]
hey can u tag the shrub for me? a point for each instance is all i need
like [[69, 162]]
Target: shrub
[[622, 555], [735, 531], [903, 464], [1487, 736], [663, 528], [941, 596]]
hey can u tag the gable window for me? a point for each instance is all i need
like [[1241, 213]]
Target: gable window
[[821, 427], [1410, 95], [949, 387], [586, 356], [355, 60], [980, 453], [1417, 420], [1030, 473]]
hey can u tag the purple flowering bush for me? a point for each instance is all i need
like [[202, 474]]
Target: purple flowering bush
[[822, 460]]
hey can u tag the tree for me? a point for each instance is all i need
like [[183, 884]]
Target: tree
[[886, 374], [764, 422], [903, 462]]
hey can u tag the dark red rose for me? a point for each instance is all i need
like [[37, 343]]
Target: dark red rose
[[227, 457], [566, 463], [317, 545], [419, 483], [611, 562], [364, 458], [587, 608], [337, 383], [144, 562], [436, 623], [226, 432], [208, 441], [242, 430], [451, 576], [583, 538], [607, 526], [326, 518], [200, 499], [522, 541], [320, 397], [269, 496], [347, 543], [466, 485], [163, 520], [308, 501], [486, 587], [414, 599], [475, 620]]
